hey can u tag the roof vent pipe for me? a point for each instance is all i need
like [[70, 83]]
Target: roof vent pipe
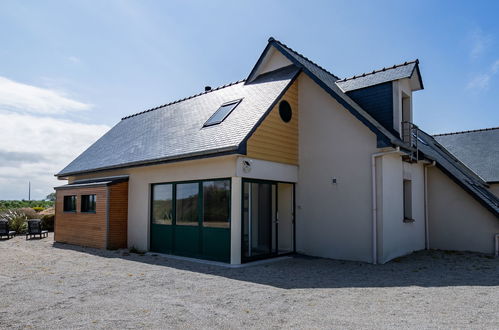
[[207, 88]]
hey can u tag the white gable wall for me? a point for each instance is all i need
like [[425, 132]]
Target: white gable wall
[[457, 221], [272, 61], [335, 220]]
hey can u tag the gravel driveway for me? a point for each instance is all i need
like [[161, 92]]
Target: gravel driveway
[[49, 285]]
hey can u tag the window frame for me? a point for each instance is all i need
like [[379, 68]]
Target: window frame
[[94, 203], [236, 104], [172, 206], [200, 201], [407, 200], [226, 223], [64, 203]]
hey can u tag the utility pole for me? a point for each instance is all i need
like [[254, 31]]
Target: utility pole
[[29, 190]]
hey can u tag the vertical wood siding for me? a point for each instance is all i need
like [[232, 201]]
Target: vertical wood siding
[[86, 229], [118, 215], [275, 140]]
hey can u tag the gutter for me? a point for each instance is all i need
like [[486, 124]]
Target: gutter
[[426, 217], [375, 201], [184, 157]]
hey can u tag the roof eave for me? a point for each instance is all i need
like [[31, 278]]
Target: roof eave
[[191, 156]]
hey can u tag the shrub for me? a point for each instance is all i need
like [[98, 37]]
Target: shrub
[[29, 213], [17, 220], [48, 222]]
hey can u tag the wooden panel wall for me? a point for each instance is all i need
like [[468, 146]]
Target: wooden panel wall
[[118, 215], [86, 229], [275, 140]]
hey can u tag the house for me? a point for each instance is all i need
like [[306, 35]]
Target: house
[[291, 159]]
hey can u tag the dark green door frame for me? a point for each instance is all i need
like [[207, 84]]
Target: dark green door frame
[[199, 241]]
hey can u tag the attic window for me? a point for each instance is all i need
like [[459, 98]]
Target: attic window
[[222, 113]]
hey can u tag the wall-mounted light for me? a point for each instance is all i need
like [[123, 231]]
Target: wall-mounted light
[[246, 166]]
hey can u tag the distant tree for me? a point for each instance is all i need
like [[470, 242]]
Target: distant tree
[[51, 197]]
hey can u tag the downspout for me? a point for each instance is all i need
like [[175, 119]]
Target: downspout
[[426, 217], [374, 202]]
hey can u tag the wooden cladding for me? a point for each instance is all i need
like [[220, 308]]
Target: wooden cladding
[[104, 228], [86, 229], [276, 140], [118, 216]]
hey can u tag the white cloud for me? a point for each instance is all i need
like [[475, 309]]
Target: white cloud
[[495, 67], [35, 148], [24, 98], [479, 82], [74, 59], [482, 81], [479, 42]]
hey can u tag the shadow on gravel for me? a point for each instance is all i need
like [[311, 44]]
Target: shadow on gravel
[[424, 268]]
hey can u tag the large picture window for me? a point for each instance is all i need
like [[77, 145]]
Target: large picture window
[[88, 203], [162, 204], [70, 203], [187, 204], [216, 203]]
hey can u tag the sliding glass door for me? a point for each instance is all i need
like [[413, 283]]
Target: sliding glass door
[[259, 214]]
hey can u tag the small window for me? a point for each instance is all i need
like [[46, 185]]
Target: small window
[[162, 204], [408, 201], [285, 111], [70, 203], [216, 203], [88, 203], [222, 113]]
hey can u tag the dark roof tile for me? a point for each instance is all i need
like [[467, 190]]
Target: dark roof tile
[[477, 149]]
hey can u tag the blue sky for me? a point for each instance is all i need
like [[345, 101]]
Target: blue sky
[[71, 69]]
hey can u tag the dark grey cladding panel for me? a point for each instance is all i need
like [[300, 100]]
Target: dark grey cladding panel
[[460, 173], [479, 150], [176, 130], [378, 102]]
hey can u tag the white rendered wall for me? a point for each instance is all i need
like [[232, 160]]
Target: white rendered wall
[[456, 220], [400, 87], [396, 237], [333, 220]]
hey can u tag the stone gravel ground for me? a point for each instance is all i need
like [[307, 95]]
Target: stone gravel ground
[[50, 285]]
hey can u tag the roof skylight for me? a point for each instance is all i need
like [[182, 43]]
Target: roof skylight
[[222, 113]]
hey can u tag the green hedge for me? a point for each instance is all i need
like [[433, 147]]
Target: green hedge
[[7, 205]]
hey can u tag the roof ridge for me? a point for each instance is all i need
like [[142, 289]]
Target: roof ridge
[[302, 56], [380, 70], [468, 131], [184, 99]]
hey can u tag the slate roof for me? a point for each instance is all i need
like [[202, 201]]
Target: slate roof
[[175, 130], [477, 149], [376, 77], [459, 172]]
